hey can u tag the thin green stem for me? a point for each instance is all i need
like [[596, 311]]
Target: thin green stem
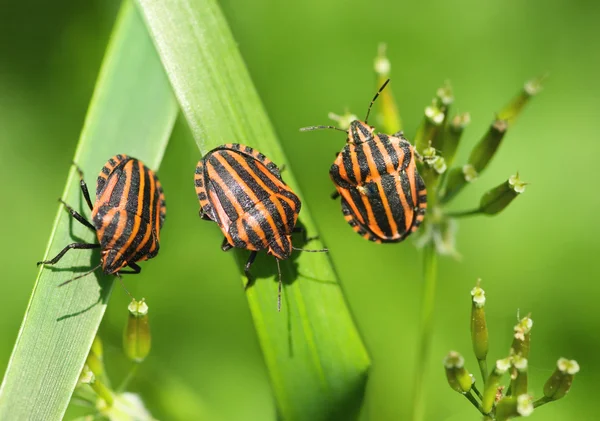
[[541, 401], [430, 278], [130, 375], [103, 392], [483, 369], [477, 392], [462, 214], [472, 399]]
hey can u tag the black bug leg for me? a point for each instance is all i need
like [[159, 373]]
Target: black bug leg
[[135, 269], [225, 246], [78, 216], [66, 249], [84, 189], [249, 263], [335, 195]]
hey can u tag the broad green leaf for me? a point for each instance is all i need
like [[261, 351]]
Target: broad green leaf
[[315, 357], [132, 112]]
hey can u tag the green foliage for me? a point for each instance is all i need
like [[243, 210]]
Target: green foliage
[[132, 112], [315, 357]]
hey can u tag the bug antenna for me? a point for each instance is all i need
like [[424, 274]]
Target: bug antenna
[[374, 98], [308, 129], [279, 286], [123, 285], [80, 276], [311, 251]]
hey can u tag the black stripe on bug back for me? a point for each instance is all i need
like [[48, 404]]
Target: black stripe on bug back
[[133, 195], [247, 177], [388, 182], [374, 195], [234, 191], [253, 164], [150, 198], [110, 229]]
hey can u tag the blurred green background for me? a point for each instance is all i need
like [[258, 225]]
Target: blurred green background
[[308, 59]]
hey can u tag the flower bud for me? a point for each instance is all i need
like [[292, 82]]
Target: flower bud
[[522, 337], [452, 135], [94, 359], [136, 337], [492, 383], [479, 331], [487, 147], [514, 406], [498, 198], [444, 96], [388, 116], [559, 384], [458, 377], [512, 110]]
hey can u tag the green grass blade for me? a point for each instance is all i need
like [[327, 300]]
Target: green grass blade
[[132, 111], [316, 359]]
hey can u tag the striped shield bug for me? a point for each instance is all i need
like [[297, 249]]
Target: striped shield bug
[[242, 191], [383, 196], [127, 216]]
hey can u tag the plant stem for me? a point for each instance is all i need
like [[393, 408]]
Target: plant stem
[[430, 278], [103, 392], [462, 214], [541, 401], [483, 369], [477, 392], [130, 375], [472, 399]]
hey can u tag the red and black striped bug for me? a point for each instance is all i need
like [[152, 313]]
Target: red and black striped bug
[[383, 196], [242, 191], [127, 216]]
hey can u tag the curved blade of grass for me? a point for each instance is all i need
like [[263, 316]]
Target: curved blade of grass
[[315, 357], [132, 111]]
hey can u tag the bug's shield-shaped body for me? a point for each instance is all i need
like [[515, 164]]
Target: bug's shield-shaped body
[[128, 213], [383, 196], [242, 191]]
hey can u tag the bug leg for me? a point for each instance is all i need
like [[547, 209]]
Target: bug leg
[[225, 246], [204, 215], [135, 269], [335, 195], [77, 216], [249, 263], [66, 249], [84, 189]]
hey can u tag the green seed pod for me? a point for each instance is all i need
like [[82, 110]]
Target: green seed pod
[[522, 338], [514, 406], [427, 131], [452, 135], [87, 376], [559, 383], [479, 331], [388, 116], [498, 198], [458, 377], [136, 337], [520, 376], [512, 110], [456, 179], [492, 383], [486, 148]]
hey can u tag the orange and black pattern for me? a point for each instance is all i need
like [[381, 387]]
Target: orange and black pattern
[[242, 191], [127, 216], [383, 196], [129, 212]]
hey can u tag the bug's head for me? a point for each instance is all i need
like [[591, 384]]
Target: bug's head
[[112, 261], [359, 132], [281, 247]]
